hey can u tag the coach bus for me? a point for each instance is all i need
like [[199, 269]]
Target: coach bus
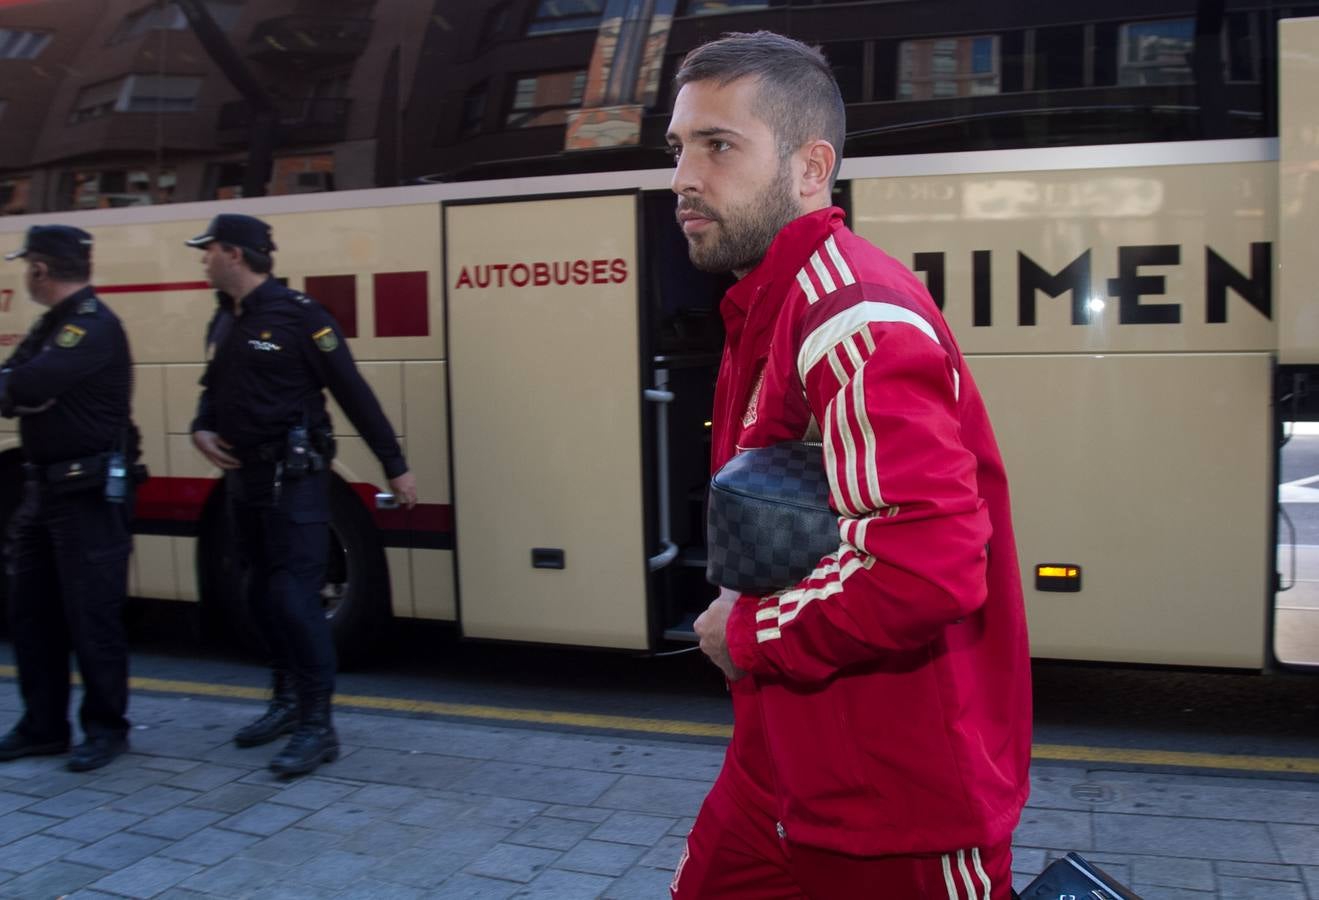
[[1135, 300]]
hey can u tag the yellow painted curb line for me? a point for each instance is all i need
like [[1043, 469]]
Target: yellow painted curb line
[[1051, 752]]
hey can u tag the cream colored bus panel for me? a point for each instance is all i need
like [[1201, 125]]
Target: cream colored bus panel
[[546, 419], [1107, 461], [393, 247], [1298, 189], [1159, 257]]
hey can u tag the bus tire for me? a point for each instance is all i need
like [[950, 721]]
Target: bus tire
[[356, 593]]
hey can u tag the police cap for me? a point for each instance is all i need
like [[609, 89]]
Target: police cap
[[238, 231], [58, 241]]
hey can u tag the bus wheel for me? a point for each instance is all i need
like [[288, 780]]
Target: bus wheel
[[355, 595]]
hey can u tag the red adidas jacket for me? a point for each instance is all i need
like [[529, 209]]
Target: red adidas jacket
[[891, 688]]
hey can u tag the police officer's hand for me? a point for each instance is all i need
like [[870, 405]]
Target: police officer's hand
[[214, 448], [404, 487], [33, 410], [710, 628]]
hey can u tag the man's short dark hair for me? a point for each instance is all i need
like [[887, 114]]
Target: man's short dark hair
[[63, 268], [798, 96], [259, 263]]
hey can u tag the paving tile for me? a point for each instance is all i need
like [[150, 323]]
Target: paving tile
[[419, 867], [147, 877], [385, 796], [1296, 843], [333, 868], [1233, 888], [1311, 876], [117, 850], [660, 796], [600, 858], [264, 819], [237, 877], [169, 763], [583, 813], [556, 884], [665, 854], [381, 839], [94, 825], [552, 834], [1168, 871], [35, 851], [633, 828], [54, 879], [1055, 828], [232, 798], [91, 894], [1162, 893], [72, 803], [292, 846], [504, 811], [178, 822], [473, 887], [640, 884], [1266, 871], [10, 801], [206, 778], [427, 811], [17, 825], [376, 889], [287, 891], [152, 800], [50, 784], [177, 893], [683, 826], [1194, 838], [127, 781], [209, 846], [540, 783], [315, 793], [341, 818], [1025, 859], [402, 767], [512, 862]]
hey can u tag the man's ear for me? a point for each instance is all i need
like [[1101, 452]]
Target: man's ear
[[39, 271], [819, 157]]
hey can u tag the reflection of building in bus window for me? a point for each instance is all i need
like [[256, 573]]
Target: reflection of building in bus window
[[545, 99], [1156, 52], [948, 67]]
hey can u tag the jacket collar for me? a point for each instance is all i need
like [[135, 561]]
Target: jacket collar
[[787, 253], [70, 303]]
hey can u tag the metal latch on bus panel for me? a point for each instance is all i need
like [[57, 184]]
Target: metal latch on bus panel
[[661, 396]]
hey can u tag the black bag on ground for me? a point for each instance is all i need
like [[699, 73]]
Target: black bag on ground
[[1072, 878], [768, 520]]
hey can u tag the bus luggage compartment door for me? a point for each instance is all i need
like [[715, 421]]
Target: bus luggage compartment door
[[546, 413]]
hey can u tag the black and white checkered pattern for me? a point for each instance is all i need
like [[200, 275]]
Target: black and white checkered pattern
[[769, 523]]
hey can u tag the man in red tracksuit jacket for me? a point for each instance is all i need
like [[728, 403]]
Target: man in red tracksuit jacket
[[882, 706]]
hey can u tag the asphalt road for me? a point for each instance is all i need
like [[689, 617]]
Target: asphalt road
[[1300, 500]]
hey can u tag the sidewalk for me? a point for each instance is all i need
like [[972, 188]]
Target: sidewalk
[[421, 807]]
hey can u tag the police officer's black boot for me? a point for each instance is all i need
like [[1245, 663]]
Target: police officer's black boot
[[314, 742], [280, 717]]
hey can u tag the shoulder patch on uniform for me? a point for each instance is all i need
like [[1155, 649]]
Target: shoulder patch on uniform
[[87, 307], [302, 298], [69, 336], [326, 339]]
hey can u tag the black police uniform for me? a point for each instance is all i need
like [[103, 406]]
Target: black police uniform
[[265, 378], [69, 546]]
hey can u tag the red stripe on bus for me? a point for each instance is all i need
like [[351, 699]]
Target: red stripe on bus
[[153, 287], [171, 499]]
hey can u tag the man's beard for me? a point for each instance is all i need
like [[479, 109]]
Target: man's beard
[[741, 236]]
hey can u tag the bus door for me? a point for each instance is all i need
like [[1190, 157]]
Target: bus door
[[546, 415], [1296, 610]]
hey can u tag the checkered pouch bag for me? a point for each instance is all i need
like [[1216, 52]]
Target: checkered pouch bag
[[768, 520]]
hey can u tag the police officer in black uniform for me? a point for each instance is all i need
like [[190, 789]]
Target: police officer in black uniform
[[262, 419], [70, 384]]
